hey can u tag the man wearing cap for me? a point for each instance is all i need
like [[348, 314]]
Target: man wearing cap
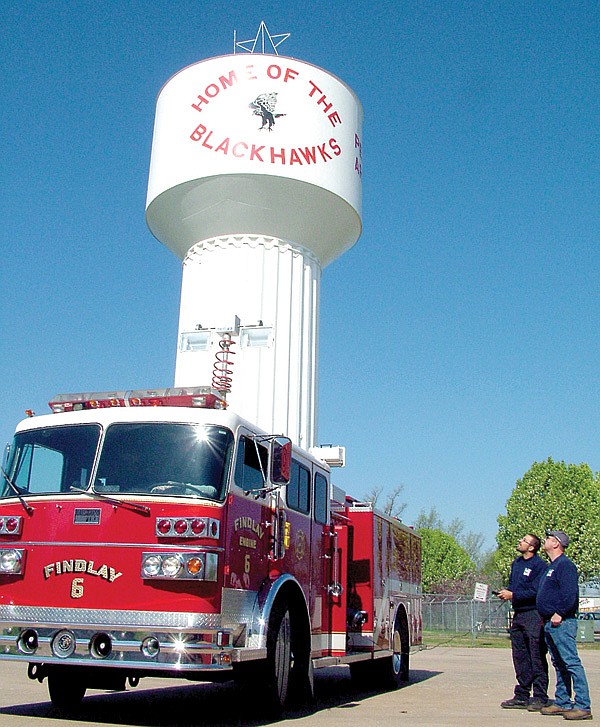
[[527, 628], [558, 603]]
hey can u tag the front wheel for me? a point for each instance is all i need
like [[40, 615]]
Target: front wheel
[[66, 689], [285, 677], [279, 658]]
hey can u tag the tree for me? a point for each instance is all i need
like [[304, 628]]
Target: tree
[[469, 541], [555, 496], [391, 506], [430, 520], [443, 559]]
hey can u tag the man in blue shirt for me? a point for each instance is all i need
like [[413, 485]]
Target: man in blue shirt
[[527, 629], [558, 603]]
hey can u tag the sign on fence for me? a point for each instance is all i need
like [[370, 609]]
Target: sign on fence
[[481, 592]]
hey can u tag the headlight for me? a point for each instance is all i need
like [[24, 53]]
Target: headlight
[[11, 561], [182, 566], [172, 565], [151, 565]]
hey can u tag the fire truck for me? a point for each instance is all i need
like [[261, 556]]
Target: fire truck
[[157, 533]]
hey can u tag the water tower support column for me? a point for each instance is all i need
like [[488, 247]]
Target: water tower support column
[[264, 293]]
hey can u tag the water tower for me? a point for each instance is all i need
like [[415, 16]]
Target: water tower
[[255, 185]]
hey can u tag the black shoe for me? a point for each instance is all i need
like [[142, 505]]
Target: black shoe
[[536, 704], [515, 703]]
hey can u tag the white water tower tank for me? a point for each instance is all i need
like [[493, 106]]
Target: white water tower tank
[[255, 184]]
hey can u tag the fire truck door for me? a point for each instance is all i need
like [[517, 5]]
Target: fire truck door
[[248, 516], [296, 525], [335, 567]]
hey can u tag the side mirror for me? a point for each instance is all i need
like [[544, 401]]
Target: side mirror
[[6, 456], [281, 460]]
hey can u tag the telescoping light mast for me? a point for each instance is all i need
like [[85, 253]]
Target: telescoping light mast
[[255, 185]]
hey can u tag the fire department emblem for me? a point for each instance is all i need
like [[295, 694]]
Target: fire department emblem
[[264, 106], [300, 545]]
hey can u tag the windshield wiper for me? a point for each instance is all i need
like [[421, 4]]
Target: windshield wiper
[[142, 509], [15, 489]]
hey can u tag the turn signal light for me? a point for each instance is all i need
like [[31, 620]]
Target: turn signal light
[[11, 525], [187, 527]]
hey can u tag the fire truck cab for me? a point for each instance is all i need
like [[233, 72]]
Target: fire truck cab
[[155, 533]]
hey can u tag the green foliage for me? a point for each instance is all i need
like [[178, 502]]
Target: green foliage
[[556, 496], [469, 541], [443, 559], [488, 571]]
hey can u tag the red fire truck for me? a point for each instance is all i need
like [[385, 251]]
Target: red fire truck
[[155, 533]]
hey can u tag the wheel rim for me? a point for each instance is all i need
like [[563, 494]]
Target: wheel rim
[[282, 658], [397, 655]]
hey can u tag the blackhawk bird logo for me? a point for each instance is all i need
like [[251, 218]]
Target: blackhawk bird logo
[[264, 106]]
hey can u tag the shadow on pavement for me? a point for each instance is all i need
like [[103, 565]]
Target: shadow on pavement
[[204, 704]]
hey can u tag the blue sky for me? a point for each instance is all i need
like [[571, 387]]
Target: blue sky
[[459, 337]]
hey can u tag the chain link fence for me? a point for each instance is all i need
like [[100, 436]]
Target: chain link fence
[[460, 614]]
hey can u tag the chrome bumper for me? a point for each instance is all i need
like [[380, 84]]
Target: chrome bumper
[[141, 640]]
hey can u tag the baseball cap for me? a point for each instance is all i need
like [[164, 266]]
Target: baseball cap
[[562, 538]]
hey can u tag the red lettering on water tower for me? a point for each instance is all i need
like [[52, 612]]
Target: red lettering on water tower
[[321, 100]]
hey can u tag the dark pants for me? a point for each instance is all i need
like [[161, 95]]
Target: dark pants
[[529, 652]]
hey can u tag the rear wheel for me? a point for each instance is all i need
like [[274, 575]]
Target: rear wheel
[[388, 672], [392, 671]]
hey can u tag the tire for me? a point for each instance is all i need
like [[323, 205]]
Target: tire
[[301, 690], [285, 678], [389, 672], [393, 671], [66, 688], [279, 658]]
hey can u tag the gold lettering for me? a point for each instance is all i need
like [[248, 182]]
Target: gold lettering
[[247, 542], [114, 575], [61, 567]]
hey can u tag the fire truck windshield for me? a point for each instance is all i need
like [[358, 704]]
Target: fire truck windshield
[[51, 460], [165, 459], [162, 459]]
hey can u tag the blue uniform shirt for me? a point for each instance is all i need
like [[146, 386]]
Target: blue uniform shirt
[[559, 589], [524, 581]]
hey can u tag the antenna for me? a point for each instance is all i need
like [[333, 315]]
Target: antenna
[[263, 39]]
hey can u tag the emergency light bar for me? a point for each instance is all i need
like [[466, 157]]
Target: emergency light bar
[[202, 397]]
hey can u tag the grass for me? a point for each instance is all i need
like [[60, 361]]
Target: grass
[[481, 641], [450, 638]]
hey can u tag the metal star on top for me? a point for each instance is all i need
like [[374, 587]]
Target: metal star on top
[[263, 39]]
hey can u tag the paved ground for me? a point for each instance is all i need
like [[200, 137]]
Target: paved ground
[[450, 686]]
